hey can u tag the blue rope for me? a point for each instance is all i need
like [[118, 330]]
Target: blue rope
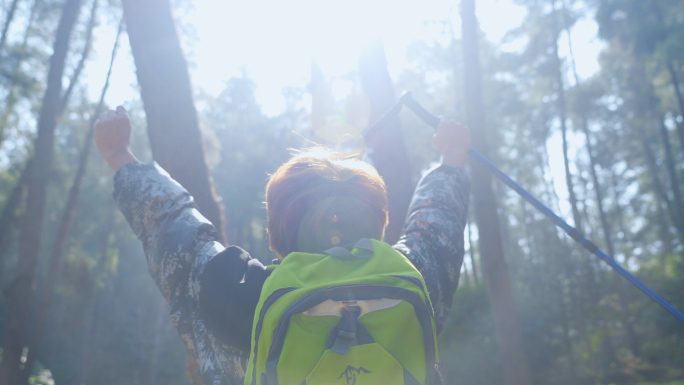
[[413, 105]]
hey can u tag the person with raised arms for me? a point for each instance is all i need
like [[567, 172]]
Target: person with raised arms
[[327, 213]]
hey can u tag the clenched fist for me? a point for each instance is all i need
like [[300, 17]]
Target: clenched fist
[[452, 140], [113, 137]]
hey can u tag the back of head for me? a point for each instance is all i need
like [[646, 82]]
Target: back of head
[[320, 199]]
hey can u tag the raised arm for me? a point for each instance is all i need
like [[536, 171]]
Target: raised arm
[[433, 233], [161, 212], [178, 243]]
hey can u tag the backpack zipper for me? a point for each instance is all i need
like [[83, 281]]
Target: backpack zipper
[[257, 331], [420, 285]]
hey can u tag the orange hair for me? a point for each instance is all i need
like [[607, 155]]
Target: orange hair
[[319, 199]]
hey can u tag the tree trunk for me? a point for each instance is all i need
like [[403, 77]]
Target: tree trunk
[[6, 24], [94, 302], [672, 171], [563, 117], [618, 209], [584, 126], [32, 222], [605, 224], [644, 89], [586, 288], [658, 188], [506, 322], [387, 149], [84, 56], [58, 249], [660, 195], [674, 206], [172, 123], [86, 349], [568, 272], [607, 235], [567, 342], [11, 99], [10, 215], [680, 100]]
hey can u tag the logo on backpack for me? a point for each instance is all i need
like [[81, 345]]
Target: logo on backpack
[[350, 374]]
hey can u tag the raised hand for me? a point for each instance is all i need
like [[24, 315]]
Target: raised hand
[[452, 140], [113, 137]]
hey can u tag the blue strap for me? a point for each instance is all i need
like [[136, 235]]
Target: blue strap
[[364, 247]]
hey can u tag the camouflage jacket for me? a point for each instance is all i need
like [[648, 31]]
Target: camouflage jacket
[[185, 257]]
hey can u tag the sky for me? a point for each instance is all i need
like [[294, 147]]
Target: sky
[[273, 42]]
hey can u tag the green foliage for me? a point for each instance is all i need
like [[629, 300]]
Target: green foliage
[[42, 376], [468, 344], [249, 147]]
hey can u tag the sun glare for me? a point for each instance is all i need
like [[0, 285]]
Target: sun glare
[[274, 42]]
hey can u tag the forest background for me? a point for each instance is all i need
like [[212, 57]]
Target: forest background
[[597, 136]]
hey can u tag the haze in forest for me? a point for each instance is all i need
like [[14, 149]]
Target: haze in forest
[[579, 101], [341, 34]]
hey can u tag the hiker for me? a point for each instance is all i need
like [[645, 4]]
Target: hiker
[[214, 291]]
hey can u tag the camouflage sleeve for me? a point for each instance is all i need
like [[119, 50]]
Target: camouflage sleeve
[[433, 233], [178, 243]]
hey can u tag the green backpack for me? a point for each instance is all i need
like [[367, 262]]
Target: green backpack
[[359, 315]]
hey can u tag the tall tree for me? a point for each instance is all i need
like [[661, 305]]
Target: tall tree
[[95, 298], [671, 54], [561, 105], [680, 99], [32, 222], [172, 123], [10, 214], [388, 151], [85, 53], [59, 247], [506, 322], [583, 123], [671, 170], [12, 98], [650, 33], [643, 93], [8, 21]]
